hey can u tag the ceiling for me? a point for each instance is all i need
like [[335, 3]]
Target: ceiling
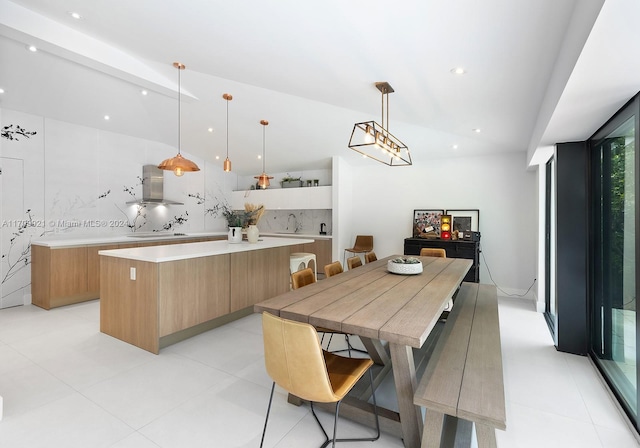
[[310, 68]]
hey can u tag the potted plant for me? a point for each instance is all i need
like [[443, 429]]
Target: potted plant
[[291, 182]]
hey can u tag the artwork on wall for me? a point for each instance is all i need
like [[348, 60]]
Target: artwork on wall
[[465, 220], [426, 222]]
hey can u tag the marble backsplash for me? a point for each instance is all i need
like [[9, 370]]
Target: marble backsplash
[[295, 221]]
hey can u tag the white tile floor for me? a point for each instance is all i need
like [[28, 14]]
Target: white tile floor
[[67, 385]]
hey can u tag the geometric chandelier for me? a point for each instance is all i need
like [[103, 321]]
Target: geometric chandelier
[[374, 141]]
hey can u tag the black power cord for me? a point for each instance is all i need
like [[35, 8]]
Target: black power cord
[[496, 285]]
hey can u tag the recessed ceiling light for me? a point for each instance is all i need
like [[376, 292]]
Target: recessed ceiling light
[[210, 129], [75, 15], [476, 130], [458, 71], [32, 48], [107, 117], [217, 157], [1, 90], [454, 146], [259, 156], [144, 92]]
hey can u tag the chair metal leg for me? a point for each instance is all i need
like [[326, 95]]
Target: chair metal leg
[[335, 422], [273, 387]]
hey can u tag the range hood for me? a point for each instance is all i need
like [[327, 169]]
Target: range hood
[[152, 187]]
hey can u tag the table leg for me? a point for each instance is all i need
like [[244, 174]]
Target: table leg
[[404, 376], [376, 351]]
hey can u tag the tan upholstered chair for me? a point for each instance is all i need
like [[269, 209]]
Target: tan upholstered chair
[[363, 244], [370, 257], [435, 252], [330, 270], [354, 262], [333, 269], [296, 362], [432, 252], [307, 277], [302, 278]]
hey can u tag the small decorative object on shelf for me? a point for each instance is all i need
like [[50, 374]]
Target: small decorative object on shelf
[[291, 182], [445, 227], [405, 266]]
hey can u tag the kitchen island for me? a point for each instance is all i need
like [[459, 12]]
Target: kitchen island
[[65, 269], [153, 297]]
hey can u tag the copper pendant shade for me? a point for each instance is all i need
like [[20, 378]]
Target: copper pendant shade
[[178, 164], [227, 163], [263, 179]]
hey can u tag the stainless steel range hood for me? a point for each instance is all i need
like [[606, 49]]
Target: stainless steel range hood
[[152, 187]]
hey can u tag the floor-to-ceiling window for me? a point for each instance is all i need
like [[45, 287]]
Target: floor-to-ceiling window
[[551, 309], [613, 260]]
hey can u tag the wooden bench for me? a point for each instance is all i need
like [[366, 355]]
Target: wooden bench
[[463, 378]]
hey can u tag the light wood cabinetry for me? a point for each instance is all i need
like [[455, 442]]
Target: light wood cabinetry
[[174, 300], [66, 275], [257, 275]]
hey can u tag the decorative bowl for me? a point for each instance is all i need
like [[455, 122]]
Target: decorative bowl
[[404, 266]]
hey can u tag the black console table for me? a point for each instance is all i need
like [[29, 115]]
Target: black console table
[[454, 249]]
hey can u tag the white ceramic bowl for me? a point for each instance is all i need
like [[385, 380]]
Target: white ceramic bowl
[[404, 268]]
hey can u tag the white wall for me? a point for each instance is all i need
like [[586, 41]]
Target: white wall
[[70, 179], [499, 186]]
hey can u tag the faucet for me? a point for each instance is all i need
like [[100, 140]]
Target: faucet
[[322, 228], [295, 223]]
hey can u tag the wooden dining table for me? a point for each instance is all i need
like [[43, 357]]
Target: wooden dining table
[[378, 306]]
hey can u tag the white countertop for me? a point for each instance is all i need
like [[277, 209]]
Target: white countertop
[[315, 236], [173, 252], [88, 240]]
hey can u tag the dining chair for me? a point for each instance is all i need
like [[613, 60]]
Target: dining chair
[[354, 262], [306, 277], [302, 278], [333, 269], [438, 252], [363, 244], [433, 252], [296, 362], [370, 257], [330, 270]]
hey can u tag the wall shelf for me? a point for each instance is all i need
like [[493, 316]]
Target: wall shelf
[[305, 198]]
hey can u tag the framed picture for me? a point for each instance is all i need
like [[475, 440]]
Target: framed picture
[[425, 221], [465, 220]]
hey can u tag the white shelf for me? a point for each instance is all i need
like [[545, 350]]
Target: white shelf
[[304, 198]]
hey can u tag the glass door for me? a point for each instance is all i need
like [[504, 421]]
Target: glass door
[[613, 256], [551, 308]]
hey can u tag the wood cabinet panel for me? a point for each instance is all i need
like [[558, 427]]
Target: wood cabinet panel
[[40, 276], [68, 271], [62, 276], [200, 284], [93, 267], [129, 308], [258, 275]]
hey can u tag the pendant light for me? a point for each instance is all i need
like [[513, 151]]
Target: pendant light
[[263, 179], [374, 141], [178, 164], [227, 162]]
